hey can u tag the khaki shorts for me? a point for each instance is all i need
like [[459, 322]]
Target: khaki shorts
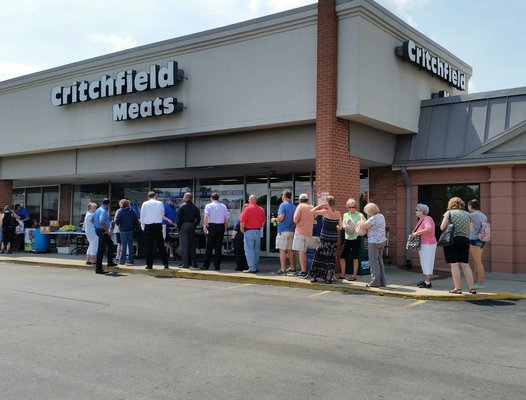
[[284, 240], [300, 243]]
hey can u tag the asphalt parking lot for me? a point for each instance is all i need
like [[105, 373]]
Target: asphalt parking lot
[[68, 333]]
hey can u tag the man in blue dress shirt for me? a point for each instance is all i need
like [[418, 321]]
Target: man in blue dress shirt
[[101, 221]]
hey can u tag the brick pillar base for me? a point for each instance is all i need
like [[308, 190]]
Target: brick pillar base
[[6, 193]]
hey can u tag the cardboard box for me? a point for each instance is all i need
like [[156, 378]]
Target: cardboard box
[[45, 229], [53, 222]]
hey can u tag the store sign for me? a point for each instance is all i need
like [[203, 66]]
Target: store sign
[[126, 82], [425, 60]]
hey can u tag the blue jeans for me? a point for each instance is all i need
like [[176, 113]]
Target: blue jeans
[[252, 242], [126, 244]]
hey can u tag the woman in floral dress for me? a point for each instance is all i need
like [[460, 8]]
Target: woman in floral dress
[[325, 256]]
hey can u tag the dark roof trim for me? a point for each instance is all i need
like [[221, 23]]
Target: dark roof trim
[[475, 96]]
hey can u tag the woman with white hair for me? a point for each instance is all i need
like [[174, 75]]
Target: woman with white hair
[[376, 240], [425, 228]]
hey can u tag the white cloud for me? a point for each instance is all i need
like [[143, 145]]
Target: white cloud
[[10, 70], [403, 8], [112, 41]]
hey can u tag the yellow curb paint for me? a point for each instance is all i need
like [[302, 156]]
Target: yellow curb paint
[[414, 304], [238, 286], [269, 280], [318, 294]]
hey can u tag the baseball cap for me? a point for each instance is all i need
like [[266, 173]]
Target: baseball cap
[[304, 196]]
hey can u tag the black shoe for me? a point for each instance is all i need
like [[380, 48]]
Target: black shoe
[[101, 272], [204, 268], [112, 265], [425, 285], [148, 267], [217, 269], [166, 267], [420, 283]]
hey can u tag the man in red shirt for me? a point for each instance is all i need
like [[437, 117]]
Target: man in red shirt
[[252, 220]]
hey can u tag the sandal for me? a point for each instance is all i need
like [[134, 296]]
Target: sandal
[[472, 291], [341, 277], [456, 291], [351, 278]]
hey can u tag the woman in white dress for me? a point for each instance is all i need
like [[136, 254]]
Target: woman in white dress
[[93, 239]]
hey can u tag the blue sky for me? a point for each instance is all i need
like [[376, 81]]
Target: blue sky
[[42, 34]]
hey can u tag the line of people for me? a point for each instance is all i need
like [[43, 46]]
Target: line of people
[[466, 243]]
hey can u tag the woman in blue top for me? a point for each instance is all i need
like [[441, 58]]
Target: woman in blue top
[[476, 246]]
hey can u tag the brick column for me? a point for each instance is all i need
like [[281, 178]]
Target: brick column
[[504, 239], [6, 193], [64, 213], [336, 171]]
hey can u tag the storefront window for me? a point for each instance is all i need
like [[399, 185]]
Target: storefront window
[[82, 195], [169, 189], [281, 181], [19, 197], [136, 192], [258, 186], [231, 193], [33, 202], [437, 196], [302, 184], [50, 195]]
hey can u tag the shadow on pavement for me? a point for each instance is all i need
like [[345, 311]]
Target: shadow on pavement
[[493, 303]]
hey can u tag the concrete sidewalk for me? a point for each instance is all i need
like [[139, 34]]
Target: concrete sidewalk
[[400, 282]]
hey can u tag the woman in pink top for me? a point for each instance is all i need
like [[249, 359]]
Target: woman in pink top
[[425, 228]]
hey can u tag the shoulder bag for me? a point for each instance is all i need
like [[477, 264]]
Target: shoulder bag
[[413, 241], [485, 232], [447, 236]]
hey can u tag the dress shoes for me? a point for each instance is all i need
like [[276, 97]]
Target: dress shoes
[[148, 267], [112, 265], [101, 272]]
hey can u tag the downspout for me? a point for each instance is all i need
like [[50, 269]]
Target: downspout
[[405, 177]]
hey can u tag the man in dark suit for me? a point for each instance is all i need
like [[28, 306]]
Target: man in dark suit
[[189, 218]]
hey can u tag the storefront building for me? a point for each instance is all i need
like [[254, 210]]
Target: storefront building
[[328, 98]]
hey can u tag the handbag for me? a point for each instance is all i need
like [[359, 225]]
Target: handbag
[[485, 232], [360, 230], [413, 241], [350, 228], [448, 235]]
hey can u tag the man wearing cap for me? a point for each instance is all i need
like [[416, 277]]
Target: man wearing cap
[[252, 220], [285, 220], [170, 212], [304, 220]]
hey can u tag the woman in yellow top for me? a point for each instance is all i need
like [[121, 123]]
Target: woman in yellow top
[[352, 242]]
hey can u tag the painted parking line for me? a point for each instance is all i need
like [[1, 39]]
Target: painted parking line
[[318, 294], [238, 286], [415, 303]]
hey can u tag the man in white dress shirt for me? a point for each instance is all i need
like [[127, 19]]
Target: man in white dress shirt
[[152, 215], [215, 224]]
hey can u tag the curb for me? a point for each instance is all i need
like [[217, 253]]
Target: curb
[[397, 291]]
